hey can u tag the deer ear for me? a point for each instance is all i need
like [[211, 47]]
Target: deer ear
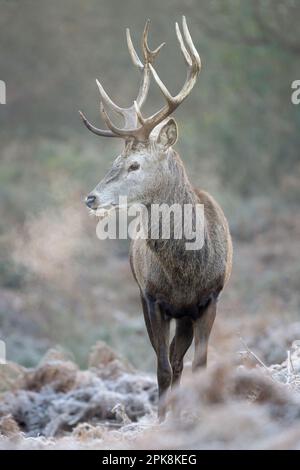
[[168, 134]]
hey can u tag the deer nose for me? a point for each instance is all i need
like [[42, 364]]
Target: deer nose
[[91, 201]]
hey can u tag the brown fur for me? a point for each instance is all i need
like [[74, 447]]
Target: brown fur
[[181, 284]]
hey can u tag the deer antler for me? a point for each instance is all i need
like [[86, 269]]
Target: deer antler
[[133, 115], [129, 114]]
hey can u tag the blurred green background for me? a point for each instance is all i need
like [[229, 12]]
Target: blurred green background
[[239, 138]]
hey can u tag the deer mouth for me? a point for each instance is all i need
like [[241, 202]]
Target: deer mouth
[[103, 211]]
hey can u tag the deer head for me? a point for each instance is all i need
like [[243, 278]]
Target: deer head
[[140, 169]]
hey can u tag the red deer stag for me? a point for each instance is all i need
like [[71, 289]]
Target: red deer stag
[[174, 283]]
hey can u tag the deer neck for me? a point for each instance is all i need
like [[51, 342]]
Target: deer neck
[[176, 190]]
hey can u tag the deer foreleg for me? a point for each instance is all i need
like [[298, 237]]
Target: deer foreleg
[[202, 330], [181, 342], [160, 328]]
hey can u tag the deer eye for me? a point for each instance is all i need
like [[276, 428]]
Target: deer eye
[[134, 166]]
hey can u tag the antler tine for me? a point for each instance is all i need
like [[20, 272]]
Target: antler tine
[[133, 54], [182, 46], [95, 130], [138, 113], [161, 85], [114, 129], [145, 47], [144, 86], [108, 101], [149, 55], [193, 50]]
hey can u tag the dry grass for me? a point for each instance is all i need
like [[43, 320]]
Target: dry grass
[[111, 405]]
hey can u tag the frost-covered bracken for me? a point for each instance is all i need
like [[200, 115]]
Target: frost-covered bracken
[[110, 404]]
